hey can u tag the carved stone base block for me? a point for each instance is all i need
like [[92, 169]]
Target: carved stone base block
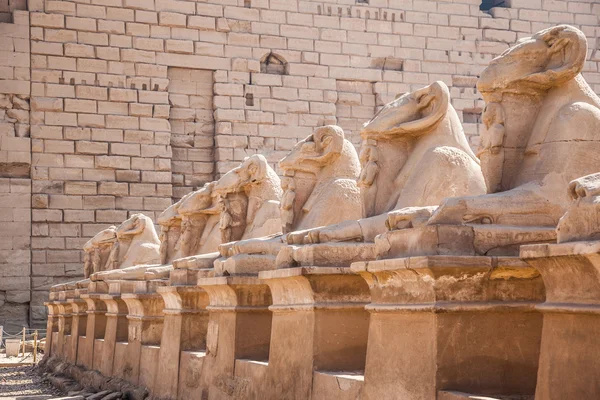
[[319, 323], [451, 322], [569, 367], [78, 327], [239, 327], [144, 329], [95, 329], [51, 328], [115, 331], [465, 240], [184, 330], [326, 254]]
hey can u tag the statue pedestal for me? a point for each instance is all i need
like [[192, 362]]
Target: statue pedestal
[[569, 367], [451, 322], [184, 329], [115, 331], [63, 338], [239, 327], [50, 348], [333, 254], [137, 360], [463, 240], [95, 328], [186, 270], [78, 327], [319, 323], [183, 339]]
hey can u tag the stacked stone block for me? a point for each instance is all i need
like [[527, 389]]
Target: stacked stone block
[[192, 128], [111, 132], [15, 164]]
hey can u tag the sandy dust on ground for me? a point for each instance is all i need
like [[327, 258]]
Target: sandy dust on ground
[[18, 383]]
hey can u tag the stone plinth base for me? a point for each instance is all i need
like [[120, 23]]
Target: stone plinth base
[[184, 329], [245, 264], [319, 323], [465, 240], [331, 385], [186, 271], [451, 322], [253, 374], [190, 371], [569, 367], [239, 327]]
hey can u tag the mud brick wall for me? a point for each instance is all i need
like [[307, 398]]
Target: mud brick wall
[[136, 102]]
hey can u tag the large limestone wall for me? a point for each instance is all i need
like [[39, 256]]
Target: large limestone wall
[[15, 164], [122, 92]]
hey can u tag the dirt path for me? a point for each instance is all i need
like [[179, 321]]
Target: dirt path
[[19, 383]]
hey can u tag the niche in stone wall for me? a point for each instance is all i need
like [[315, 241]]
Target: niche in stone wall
[[489, 4], [192, 128], [273, 63], [387, 64]]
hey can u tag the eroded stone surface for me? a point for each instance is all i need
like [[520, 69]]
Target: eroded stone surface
[[416, 136], [543, 122]]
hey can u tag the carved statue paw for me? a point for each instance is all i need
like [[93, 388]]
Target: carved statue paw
[[299, 237], [409, 217], [451, 211]]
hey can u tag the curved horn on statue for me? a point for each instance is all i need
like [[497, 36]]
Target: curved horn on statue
[[568, 49], [257, 167], [433, 101]]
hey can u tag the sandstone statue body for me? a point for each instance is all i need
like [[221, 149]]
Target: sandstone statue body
[[259, 184], [200, 216], [414, 154], [582, 219], [137, 244], [97, 251], [543, 130], [551, 120], [320, 189]]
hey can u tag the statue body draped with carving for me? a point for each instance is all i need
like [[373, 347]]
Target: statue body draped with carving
[[97, 251], [319, 189], [543, 130], [414, 154]]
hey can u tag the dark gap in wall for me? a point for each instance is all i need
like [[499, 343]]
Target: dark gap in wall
[[486, 5], [387, 64], [273, 64], [471, 117]]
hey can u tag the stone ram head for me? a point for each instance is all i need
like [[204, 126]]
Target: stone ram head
[[252, 170], [411, 114], [324, 147], [547, 59]]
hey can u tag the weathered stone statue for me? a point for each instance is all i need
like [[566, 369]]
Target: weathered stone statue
[[582, 219], [543, 125], [170, 231], [320, 189], [97, 251], [414, 154], [137, 244], [200, 220], [258, 183]]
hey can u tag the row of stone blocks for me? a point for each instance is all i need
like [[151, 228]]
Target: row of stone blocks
[[406, 328]]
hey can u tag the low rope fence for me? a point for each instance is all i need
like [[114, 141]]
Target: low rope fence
[[31, 338]]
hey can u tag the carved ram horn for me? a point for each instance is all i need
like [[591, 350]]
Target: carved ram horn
[[569, 45], [434, 100], [330, 142], [257, 167]]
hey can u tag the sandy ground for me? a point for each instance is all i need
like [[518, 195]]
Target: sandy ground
[[23, 383]]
